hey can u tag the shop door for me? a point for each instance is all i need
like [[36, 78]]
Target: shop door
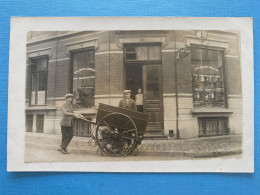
[[152, 97]]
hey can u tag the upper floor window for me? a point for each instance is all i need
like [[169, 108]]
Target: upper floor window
[[142, 53], [208, 78], [83, 63], [39, 73]]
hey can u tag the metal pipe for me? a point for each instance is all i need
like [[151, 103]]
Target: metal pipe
[[109, 64], [176, 89]]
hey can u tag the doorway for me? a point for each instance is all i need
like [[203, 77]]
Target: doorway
[[148, 78], [134, 78]]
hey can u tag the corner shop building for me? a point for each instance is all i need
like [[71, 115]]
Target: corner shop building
[[189, 83]]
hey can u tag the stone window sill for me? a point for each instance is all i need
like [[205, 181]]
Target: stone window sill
[[211, 112]]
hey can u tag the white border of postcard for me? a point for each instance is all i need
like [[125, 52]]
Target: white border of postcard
[[16, 101]]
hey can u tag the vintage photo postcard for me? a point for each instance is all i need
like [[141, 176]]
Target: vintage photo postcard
[[131, 94]]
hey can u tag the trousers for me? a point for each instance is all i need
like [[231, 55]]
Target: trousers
[[67, 134], [140, 108]]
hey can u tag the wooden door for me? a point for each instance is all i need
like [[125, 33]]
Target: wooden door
[[152, 96]]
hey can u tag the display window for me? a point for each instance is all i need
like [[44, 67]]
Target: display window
[[208, 79], [83, 64]]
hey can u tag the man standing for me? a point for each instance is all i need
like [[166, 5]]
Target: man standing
[[66, 123], [127, 102]]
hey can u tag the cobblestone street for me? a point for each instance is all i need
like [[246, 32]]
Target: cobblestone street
[[43, 148]]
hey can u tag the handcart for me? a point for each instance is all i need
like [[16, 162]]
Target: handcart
[[118, 131]]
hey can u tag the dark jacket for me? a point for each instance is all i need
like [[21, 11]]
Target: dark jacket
[[127, 103]]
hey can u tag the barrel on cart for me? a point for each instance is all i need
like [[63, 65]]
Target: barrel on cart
[[119, 130]]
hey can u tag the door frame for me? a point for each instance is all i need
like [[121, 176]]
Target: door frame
[[146, 62]]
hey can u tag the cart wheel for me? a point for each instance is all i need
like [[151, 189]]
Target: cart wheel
[[116, 134]]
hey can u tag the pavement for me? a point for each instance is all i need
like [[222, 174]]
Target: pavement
[[41, 147]]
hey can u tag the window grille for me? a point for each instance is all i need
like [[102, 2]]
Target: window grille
[[213, 126], [39, 123], [29, 122]]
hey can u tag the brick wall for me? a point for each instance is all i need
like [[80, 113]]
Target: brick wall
[[102, 74], [58, 78], [168, 72], [184, 75], [233, 76], [116, 73]]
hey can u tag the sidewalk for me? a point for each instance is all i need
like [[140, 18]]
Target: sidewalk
[[193, 148]]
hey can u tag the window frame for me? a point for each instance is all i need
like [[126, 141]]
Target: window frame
[[40, 121], [147, 61], [71, 70], [194, 46], [208, 120], [27, 127], [32, 60]]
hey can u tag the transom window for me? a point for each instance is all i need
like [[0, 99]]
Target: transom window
[[39, 73], [142, 53], [84, 77], [208, 78]]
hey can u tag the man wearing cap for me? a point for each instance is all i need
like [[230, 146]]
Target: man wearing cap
[[127, 102], [66, 123]]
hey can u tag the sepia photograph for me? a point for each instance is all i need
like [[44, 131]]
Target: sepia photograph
[[132, 95]]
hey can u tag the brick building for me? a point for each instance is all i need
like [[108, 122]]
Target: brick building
[[191, 80]]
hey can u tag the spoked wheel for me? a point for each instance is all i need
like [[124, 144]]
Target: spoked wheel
[[116, 134]]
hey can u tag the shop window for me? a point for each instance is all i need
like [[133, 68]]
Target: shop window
[[84, 77], [29, 122], [142, 53], [208, 78], [39, 73], [213, 126], [39, 123]]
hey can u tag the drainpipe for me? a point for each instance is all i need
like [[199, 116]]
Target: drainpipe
[[176, 90], [109, 66]]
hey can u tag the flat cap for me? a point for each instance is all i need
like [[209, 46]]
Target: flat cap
[[68, 95], [126, 91]]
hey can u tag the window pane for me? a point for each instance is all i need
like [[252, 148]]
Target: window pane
[[39, 123], [142, 53], [84, 78], [39, 81], [42, 86], [42, 64], [152, 81], [34, 67], [91, 57], [29, 122], [154, 53], [130, 49], [207, 74], [196, 57], [42, 81], [34, 88], [130, 56]]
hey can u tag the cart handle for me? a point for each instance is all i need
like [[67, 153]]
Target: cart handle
[[88, 121]]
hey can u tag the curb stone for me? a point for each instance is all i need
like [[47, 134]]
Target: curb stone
[[93, 150]]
